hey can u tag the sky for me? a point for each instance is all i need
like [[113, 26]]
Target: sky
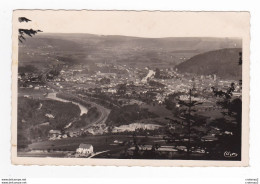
[[133, 23]]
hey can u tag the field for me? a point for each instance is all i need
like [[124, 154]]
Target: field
[[99, 142], [160, 110], [32, 92]]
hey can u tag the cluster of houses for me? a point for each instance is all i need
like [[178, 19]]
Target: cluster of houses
[[57, 134]]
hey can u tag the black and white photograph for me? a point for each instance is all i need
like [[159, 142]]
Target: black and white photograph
[[95, 93]]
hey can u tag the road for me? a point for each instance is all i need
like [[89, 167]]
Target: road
[[104, 111]]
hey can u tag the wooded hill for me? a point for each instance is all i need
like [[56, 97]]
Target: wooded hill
[[224, 63]]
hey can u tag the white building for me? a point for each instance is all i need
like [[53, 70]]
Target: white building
[[85, 149]]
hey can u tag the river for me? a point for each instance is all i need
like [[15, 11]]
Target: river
[[83, 109]]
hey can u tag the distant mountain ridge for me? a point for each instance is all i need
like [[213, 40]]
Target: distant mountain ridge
[[224, 63], [88, 48]]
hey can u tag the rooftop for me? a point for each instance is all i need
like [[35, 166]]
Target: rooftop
[[85, 146]]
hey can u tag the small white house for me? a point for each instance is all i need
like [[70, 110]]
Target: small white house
[[85, 149]]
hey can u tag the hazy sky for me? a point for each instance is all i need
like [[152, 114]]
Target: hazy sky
[[132, 23]]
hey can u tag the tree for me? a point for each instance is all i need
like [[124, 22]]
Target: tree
[[187, 126], [121, 89], [231, 122], [240, 62], [23, 32], [232, 112], [157, 73], [225, 98]]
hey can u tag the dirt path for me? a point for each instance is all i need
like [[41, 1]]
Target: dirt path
[[98, 153]]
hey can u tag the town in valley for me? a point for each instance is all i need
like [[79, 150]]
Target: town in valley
[[120, 97]]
